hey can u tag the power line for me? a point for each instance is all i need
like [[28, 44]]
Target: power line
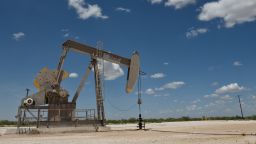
[[119, 109]]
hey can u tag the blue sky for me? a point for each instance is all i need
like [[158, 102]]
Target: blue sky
[[198, 54]]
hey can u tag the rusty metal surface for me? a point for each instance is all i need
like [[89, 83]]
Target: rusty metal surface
[[96, 53], [39, 116]]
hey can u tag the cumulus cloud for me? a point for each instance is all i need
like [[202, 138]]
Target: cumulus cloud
[[19, 35], [226, 97], [196, 101], [237, 63], [155, 1], [195, 32], [162, 95], [178, 4], [171, 85], [166, 63], [73, 75], [231, 11], [85, 10], [150, 91], [211, 95], [222, 93], [174, 85], [123, 9], [111, 71], [157, 75], [230, 88], [159, 89]]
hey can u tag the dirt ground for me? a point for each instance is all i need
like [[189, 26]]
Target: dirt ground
[[198, 132]]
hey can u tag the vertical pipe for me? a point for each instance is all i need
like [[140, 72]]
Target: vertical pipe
[[242, 114], [38, 118], [139, 102], [27, 92]]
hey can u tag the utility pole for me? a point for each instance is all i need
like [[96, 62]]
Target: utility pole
[[240, 106]]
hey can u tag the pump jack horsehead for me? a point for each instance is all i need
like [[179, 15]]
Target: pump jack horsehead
[[48, 82]]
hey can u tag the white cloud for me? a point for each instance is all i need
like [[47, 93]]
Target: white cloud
[[173, 85], [237, 63], [64, 30], [231, 11], [19, 35], [166, 63], [111, 71], [66, 35], [211, 96], [157, 95], [123, 9], [231, 88], [155, 1], [159, 89], [195, 32], [215, 84], [73, 75], [157, 75], [85, 10], [162, 95], [254, 97], [150, 91], [178, 4], [226, 97]]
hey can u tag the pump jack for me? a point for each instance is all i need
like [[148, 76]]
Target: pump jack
[[53, 97]]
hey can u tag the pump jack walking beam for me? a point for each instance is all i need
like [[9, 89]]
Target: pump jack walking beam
[[96, 53]]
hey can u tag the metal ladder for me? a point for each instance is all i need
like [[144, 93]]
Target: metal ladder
[[99, 83]]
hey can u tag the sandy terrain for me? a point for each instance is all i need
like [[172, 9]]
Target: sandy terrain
[[202, 132]]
